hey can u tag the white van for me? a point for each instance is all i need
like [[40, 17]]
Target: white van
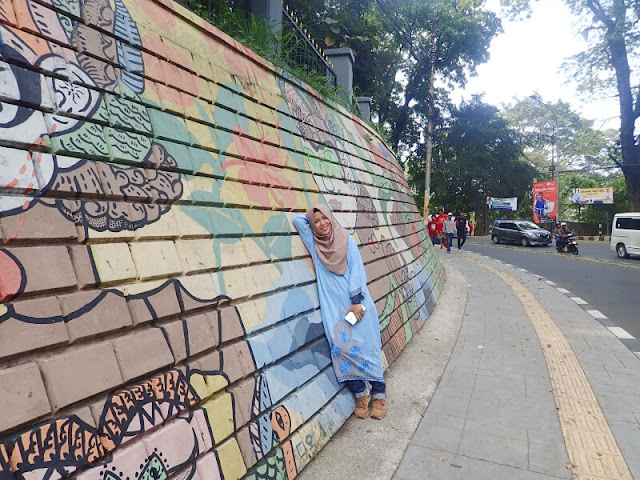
[[625, 234]]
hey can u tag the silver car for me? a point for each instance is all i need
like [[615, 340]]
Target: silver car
[[523, 232]]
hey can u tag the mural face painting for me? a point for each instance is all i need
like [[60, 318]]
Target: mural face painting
[[155, 301]]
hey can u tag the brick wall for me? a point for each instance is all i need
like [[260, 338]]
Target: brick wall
[[159, 315]]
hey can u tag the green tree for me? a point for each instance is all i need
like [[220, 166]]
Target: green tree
[[459, 35], [544, 125], [477, 155], [392, 42], [613, 30], [578, 145], [356, 24]]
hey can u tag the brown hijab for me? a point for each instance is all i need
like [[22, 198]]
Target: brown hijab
[[332, 248]]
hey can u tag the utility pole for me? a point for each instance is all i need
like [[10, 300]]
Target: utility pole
[[555, 162], [429, 143]]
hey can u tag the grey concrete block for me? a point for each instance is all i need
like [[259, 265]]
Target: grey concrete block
[[443, 420], [628, 438], [426, 464], [537, 382], [501, 383], [548, 459], [620, 407], [524, 366], [505, 451], [447, 404], [540, 417], [437, 437], [515, 432], [503, 396], [481, 409], [550, 436], [625, 377]]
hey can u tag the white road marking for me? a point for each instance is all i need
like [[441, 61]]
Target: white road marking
[[621, 333], [579, 301], [596, 314]]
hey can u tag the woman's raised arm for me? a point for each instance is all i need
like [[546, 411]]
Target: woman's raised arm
[[301, 222]]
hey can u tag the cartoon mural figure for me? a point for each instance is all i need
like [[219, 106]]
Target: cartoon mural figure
[[73, 87]]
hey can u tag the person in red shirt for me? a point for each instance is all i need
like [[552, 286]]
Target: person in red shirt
[[433, 230], [439, 227]]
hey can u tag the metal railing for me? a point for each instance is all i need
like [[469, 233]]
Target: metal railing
[[302, 50], [211, 10], [306, 52]]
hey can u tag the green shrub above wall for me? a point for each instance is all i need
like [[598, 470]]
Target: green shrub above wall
[[159, 315]]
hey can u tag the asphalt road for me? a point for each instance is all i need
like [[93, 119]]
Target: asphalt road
[[597, 275]]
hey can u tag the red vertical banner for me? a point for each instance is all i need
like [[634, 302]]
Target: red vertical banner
[[545, 197]]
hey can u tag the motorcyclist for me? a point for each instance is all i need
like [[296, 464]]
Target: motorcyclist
[[561, 234], [556, 229]]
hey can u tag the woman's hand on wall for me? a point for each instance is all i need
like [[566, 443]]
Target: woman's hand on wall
[[358, 310]]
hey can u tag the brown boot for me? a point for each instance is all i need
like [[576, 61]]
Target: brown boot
[[379, 408], [362, 407]]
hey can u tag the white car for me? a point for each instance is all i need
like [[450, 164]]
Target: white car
[[625, 234]]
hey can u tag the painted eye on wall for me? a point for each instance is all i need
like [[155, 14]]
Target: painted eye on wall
[[71, 96]]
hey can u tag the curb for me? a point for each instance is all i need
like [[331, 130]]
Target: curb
[[600, 238], [597, 238]]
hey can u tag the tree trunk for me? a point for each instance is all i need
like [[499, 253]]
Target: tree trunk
[[618, 59], [409, 95], [632, 179]]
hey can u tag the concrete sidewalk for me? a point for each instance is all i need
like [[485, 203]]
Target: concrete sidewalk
[[510, 378]]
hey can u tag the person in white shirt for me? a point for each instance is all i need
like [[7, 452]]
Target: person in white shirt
[[449, 229]]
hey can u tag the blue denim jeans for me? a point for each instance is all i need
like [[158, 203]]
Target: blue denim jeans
[[359, 388], [449, 241]]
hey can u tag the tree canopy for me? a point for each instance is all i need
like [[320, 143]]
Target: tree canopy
[[578, 145], [393, 43], [477, 155], [609, 65]]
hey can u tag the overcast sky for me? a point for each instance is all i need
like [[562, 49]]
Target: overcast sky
[[526, 58]]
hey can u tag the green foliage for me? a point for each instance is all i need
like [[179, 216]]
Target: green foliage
[[578, 145], [392, 44], [583, 153], [608, 67], [277, 45], [477, 155]]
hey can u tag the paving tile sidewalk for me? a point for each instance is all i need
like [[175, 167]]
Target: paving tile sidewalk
[[494, 414]]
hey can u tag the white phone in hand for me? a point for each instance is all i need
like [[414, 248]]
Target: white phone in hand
[[351, 317]]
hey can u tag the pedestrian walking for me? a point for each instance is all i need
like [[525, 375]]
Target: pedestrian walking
[[462, 230], [450, 230], [354, 343], [439, 226], [433, 230]]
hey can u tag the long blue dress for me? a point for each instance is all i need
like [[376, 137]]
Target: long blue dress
[[355, 350]]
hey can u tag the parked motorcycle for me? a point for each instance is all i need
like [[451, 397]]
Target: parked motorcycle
[[567, 243]]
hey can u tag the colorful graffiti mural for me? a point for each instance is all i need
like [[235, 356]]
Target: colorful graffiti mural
[[158, 314]]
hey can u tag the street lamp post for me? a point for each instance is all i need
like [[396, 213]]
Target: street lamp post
[[554, 165]]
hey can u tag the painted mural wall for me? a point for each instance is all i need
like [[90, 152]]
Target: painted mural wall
[[159, 317]]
